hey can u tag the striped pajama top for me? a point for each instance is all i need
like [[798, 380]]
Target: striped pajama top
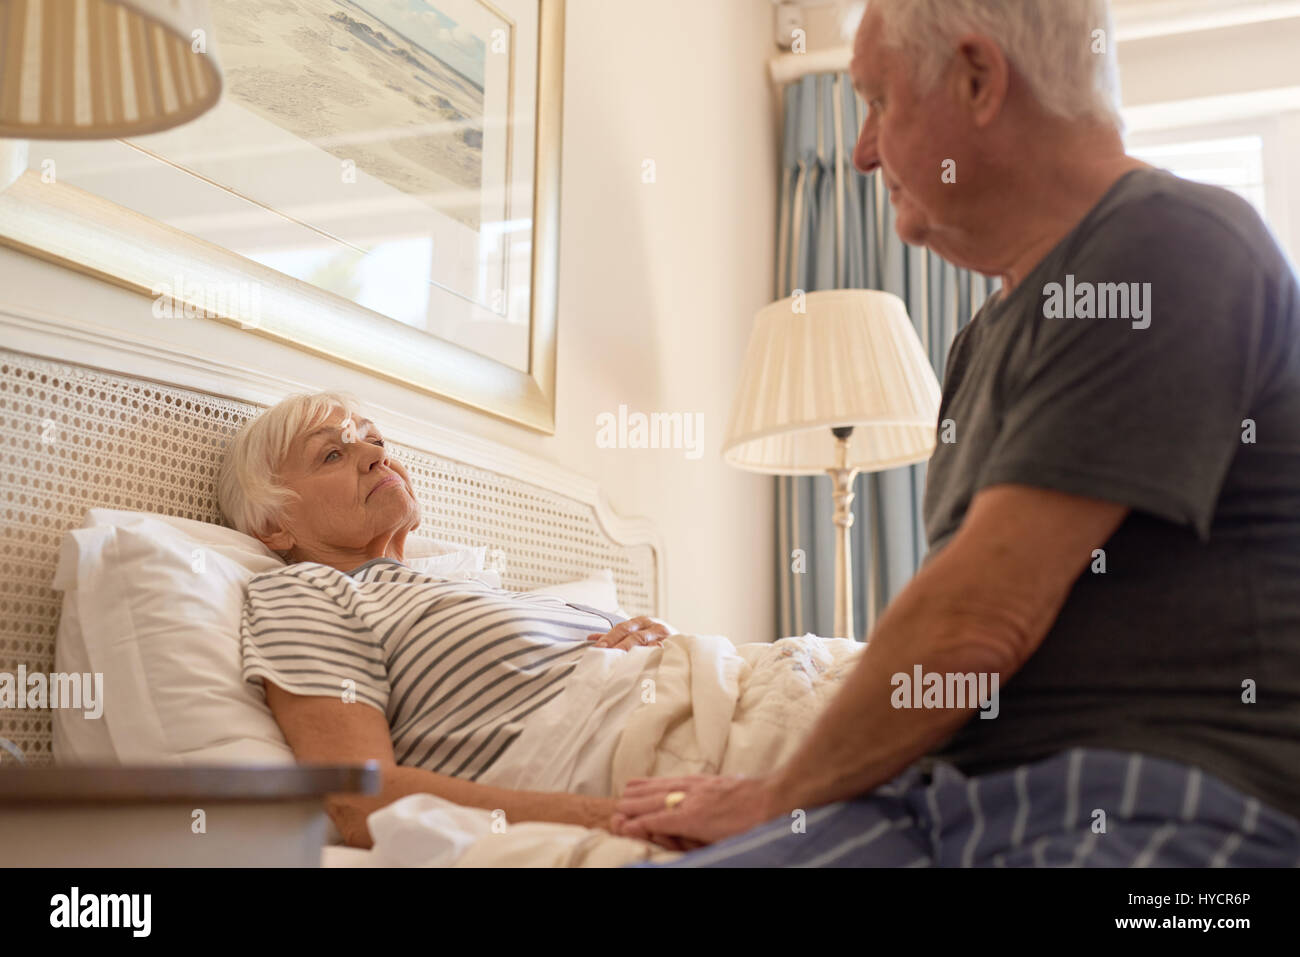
[[455, 666]]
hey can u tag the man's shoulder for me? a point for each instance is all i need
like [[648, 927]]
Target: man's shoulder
[[1181, 215]]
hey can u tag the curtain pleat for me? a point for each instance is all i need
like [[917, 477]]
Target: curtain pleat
[[836, 231]]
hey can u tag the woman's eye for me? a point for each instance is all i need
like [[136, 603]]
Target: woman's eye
[[379, 442]]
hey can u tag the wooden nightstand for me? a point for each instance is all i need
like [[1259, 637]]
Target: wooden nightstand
[[170, 816]]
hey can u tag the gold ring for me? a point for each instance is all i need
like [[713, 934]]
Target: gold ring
[[674, 798]]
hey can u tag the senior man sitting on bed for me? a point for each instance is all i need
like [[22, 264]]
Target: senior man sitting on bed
[[451, 669], [1115, 532]]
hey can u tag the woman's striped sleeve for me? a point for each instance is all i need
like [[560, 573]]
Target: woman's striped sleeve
[[295, 633]]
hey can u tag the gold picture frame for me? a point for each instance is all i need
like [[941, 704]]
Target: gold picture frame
[[61, 223]]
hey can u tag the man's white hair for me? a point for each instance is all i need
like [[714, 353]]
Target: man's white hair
[[250, 497], [1064, 49]]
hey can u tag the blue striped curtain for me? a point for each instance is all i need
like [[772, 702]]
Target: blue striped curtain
[[836, 231]]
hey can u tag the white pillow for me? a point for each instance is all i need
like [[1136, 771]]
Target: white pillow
[[431, 552], [153, 603], [596, 591], [77, 740], [450, 563], [435, 557]]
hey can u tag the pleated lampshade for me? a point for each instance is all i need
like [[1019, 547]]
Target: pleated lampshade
[[102, 69], [851, 358]]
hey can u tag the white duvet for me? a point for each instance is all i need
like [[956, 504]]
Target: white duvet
[[698, 705]]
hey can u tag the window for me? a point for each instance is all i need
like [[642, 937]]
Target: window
[[1233, 162]]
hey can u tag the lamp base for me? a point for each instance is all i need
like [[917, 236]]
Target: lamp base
[[842, 477]]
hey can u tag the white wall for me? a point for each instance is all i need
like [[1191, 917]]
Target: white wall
[[1203, 63], [658, 285], [1288, 148]]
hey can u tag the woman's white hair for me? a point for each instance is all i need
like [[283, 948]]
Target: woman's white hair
[[247, 492], [1064, 49]]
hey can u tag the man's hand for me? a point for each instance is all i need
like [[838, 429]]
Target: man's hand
[[714, 808], [631, 633], [602, 815]]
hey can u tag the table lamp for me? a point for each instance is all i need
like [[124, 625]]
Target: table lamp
[[834, 382]]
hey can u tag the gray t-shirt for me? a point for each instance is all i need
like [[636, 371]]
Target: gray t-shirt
[[1187, 410]]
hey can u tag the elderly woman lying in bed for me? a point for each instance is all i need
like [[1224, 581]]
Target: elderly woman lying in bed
[[362, 657]]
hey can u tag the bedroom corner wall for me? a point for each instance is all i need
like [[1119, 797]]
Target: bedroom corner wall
[[658, 284]]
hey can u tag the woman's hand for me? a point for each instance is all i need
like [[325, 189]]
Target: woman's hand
[[597, 812], [631, 633]]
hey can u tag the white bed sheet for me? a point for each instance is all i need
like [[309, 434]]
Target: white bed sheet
[[717, 708], [569, 744]]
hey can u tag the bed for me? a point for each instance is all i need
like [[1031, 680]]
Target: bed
[[78, 438], [110, 491]]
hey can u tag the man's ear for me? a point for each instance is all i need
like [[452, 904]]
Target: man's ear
[[983, 77]]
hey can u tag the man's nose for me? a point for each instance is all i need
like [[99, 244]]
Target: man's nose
[[865, 156]]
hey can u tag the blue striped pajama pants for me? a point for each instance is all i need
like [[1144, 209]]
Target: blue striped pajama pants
[[1157, 813]]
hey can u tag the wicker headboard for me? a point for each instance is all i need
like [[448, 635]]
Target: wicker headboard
[[76, 438]]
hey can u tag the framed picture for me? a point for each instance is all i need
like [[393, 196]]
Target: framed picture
[[379, 184]]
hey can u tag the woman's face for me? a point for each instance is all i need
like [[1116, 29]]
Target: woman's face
[[356, 500]]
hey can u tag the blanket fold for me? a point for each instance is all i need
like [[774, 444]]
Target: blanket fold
[[712, 708]]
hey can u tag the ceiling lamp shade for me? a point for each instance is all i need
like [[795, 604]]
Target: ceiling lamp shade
[[851, 358], [102, 69]]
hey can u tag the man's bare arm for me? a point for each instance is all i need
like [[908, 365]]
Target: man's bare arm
[[983, 604], [321, 729]]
